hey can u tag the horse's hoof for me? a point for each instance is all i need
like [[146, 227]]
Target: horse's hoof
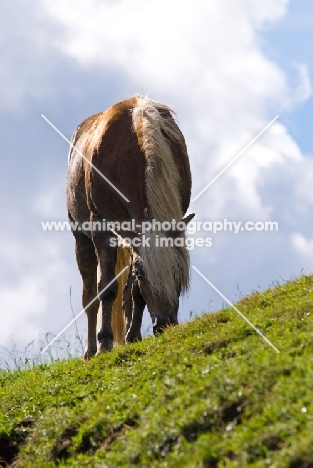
[[104, 347], [88, 354], [132, 338]]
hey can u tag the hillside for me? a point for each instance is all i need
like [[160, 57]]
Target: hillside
[[209, 393]]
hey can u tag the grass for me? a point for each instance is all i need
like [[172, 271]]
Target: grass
[[64, 347], [209, 393]]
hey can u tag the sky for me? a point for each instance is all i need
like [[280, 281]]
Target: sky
[[227, 68]]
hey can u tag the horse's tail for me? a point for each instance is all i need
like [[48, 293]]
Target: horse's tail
[[118, 320], [166, 268]]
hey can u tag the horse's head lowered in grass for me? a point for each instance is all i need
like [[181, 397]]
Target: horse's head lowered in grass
[[135, 167], [161, 295]]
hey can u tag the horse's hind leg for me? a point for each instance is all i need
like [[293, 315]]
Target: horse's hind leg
[[87, 265], [106, 255], [138, 305], [128, 302]]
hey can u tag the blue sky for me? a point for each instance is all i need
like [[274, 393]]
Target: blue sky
[[290, 41], [226, 68]]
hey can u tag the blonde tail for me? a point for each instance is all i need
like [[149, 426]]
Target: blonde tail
[[118, 320]]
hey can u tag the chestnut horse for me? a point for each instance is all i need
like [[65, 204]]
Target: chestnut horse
[[137, 146]]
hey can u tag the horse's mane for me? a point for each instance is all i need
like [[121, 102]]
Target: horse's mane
[[166, 268]]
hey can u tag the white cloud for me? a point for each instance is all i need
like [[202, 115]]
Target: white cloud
[[304, 88], [25, 300], [205, 59], [25, 47], [36, 278], [203, 53], [51, 200], [302, 245]]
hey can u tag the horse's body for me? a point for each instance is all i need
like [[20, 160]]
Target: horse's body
[[138, 147]]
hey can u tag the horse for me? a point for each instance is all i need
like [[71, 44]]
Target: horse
[[129, 164]]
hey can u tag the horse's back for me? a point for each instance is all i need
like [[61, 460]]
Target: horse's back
[[109, 142]]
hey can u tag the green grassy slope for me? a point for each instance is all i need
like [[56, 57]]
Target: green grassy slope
[[209, 393]]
